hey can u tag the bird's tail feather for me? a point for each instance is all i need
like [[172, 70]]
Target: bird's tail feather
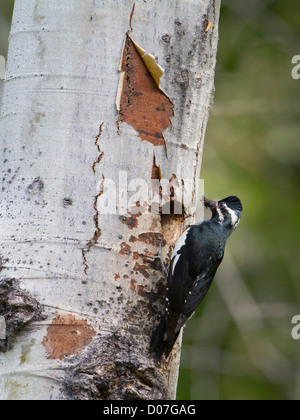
[[159, 343]]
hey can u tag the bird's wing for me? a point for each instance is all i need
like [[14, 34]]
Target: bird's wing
[[197, 293], [178, 284], [201, 284], [190, 275]]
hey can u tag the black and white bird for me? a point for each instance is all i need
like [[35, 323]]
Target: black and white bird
[[196, 257]]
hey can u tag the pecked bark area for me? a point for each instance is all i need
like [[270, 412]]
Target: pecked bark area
[[104, 103]]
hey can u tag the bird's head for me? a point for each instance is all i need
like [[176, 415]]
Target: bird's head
[[227, 211]]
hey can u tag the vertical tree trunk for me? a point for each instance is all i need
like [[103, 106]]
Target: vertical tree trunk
[[102, 101]]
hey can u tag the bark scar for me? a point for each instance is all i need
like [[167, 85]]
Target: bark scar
[[67, 336], [131, 16], [19, 308], [140, 102], [100, 156], [92, 242]]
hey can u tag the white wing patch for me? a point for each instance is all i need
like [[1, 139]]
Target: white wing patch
[[176, 258], [178, 245]]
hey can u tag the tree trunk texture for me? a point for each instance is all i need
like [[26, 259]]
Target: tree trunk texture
[[102, 99]]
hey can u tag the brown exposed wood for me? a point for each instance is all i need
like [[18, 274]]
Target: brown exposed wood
[[151, 238], [156, 171], [142, 268], [67, 336], [125, 249], [143, 105]]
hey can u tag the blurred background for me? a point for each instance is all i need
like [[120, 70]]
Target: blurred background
[[6, 9], [239, 344]]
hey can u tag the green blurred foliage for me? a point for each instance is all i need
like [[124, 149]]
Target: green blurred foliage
[[239, 344], [6, 9]]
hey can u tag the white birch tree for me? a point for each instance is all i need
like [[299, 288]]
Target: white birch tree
[[101, 100]]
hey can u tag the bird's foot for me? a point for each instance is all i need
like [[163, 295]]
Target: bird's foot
[[159, 257]]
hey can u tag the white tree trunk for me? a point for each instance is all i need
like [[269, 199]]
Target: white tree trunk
[[78, 293]]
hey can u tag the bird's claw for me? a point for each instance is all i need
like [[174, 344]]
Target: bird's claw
[[159, 256]]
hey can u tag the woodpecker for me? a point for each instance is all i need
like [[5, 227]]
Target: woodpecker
[[196, 257]]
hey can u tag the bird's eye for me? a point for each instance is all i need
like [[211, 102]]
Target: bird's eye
[[222, 206]]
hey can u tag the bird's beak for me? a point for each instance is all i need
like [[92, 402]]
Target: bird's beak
[[209, 203]]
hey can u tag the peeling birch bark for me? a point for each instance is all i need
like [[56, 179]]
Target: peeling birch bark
[[140, 102], [93, 294]]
